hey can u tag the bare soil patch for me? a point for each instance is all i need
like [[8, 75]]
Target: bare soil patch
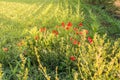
[[117, 3]]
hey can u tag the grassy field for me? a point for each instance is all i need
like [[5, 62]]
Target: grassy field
[[58, 40]]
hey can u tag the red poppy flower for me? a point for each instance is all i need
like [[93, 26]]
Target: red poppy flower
[[42, 29], [36, 37], [87, 32], [76, 29], [71, 38], [78, 43], [75, 42], [72, 58], [68, 27], [63, 24], [5, 49], [77, 32], [90, 40], [55, 32], [80, 32], [69, 24], [80, 24]]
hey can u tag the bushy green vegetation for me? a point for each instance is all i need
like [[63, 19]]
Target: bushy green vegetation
[[58, 40], [100, 1]]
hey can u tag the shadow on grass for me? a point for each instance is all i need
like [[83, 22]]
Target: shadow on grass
[[107, 22], [108, 5]]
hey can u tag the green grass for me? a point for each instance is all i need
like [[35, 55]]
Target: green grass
[[28, 54]]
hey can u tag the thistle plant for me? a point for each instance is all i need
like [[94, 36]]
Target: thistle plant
[[23, 73]]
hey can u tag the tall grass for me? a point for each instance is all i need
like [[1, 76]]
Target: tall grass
[[54, 40], [98, 60]]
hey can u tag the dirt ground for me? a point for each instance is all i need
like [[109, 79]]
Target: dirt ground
[[117, 3]]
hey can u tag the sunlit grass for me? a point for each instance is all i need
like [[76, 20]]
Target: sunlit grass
[[27, 53], [15, 15]]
